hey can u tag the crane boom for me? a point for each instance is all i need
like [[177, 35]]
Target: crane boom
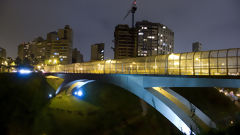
[[129, 11], [132, 10]]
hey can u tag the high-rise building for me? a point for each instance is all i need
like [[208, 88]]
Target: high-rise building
[[77, 57], [124, 42], [154, 39], [3, 53], [2, 59], [61, 45], [42, 50], [56, 49], [97, 52], [196, 47], [27, 53]]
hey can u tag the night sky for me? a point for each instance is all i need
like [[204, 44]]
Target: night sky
[[215, 23]]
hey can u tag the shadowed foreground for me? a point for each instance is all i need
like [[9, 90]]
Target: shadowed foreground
[[104, 109]]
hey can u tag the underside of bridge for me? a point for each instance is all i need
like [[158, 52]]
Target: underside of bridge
[[175, 103], [219, 107]]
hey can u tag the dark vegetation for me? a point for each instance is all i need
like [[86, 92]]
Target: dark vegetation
[[217, 106], [21, 98]]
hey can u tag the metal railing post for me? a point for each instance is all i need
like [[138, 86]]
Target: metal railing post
[[217, 61], [194, 63], [209, 70], [237, 62], [227, 61], [186, 62], [166, 64], [179, 70], [155, 65]]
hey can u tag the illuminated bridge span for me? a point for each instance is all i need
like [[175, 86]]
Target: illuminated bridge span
[[151, 79], [215, 62]]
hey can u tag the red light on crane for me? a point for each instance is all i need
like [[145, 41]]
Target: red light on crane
[[132, 10], [135, 2]]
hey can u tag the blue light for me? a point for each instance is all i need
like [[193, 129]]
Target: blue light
[[25, 71], [50, 95], [61, 59], [78, 93]]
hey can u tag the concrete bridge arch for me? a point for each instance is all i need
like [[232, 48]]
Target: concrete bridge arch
[[179, 111]]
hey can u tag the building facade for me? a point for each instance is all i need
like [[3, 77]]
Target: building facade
[[77, 57], [61, 46], [2, 59], [56, 49], [27, 53], [42, 51], [3, 53], [154, 39], [196, 47], [97, 52], [124, 42]]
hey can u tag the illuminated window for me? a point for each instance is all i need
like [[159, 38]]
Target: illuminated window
[[151, 37], [140, 33]]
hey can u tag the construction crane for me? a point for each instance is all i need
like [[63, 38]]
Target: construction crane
[[132, 10]]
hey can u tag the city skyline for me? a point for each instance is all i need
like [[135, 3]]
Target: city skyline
[[213, 23]]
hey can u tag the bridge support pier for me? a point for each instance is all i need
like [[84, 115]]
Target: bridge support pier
[[162, 104]]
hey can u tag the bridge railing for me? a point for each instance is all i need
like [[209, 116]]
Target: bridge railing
[[215, 62]]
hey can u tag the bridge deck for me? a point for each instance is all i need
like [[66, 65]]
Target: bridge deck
[[211, 63]]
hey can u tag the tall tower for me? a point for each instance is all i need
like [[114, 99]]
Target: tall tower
[[61, 45], [124, 42], [154, 39], [27, 53]]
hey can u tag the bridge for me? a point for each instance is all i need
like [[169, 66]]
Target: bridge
[[151, 79]]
